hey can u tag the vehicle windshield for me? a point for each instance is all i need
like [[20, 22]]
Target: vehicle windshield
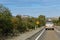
[[49, 22]]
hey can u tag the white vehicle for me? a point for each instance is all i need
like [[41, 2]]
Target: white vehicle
[[49, 25]]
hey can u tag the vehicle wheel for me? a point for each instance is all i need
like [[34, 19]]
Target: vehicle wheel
[[46, 29], [52, 28]]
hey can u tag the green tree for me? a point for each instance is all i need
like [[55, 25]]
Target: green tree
[[59, 19], [41, 18], [20, 26], [5, 22]]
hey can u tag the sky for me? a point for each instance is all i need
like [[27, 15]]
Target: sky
[[49, 8]]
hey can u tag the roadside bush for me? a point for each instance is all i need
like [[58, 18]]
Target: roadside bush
[[12, 24]]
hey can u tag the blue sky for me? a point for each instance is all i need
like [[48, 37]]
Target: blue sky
[[49, 8]]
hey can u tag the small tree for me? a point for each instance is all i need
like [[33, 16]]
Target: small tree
[[41, 18]]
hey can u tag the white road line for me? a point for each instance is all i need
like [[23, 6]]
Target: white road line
[[40, 34]]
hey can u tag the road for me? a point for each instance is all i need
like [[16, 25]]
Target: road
[[47, 35], [50, 35]]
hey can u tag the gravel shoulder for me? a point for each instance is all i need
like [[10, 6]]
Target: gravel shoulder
[[25, 35]]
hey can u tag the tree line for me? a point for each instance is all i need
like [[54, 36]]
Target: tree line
[[10, 24], [57, 21]]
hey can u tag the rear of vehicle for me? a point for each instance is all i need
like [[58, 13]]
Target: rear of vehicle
[[49, 26]]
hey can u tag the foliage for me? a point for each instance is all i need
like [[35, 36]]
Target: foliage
[[57, 22], [13, 24], [41, 18], [5, 22]]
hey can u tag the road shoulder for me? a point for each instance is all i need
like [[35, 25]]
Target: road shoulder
[[26, 35]]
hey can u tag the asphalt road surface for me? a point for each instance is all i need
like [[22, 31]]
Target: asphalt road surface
[[47, 35]]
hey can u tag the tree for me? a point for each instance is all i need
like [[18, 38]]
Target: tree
[[5, 22], [21, 25], [59, 19], [41, 18]]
